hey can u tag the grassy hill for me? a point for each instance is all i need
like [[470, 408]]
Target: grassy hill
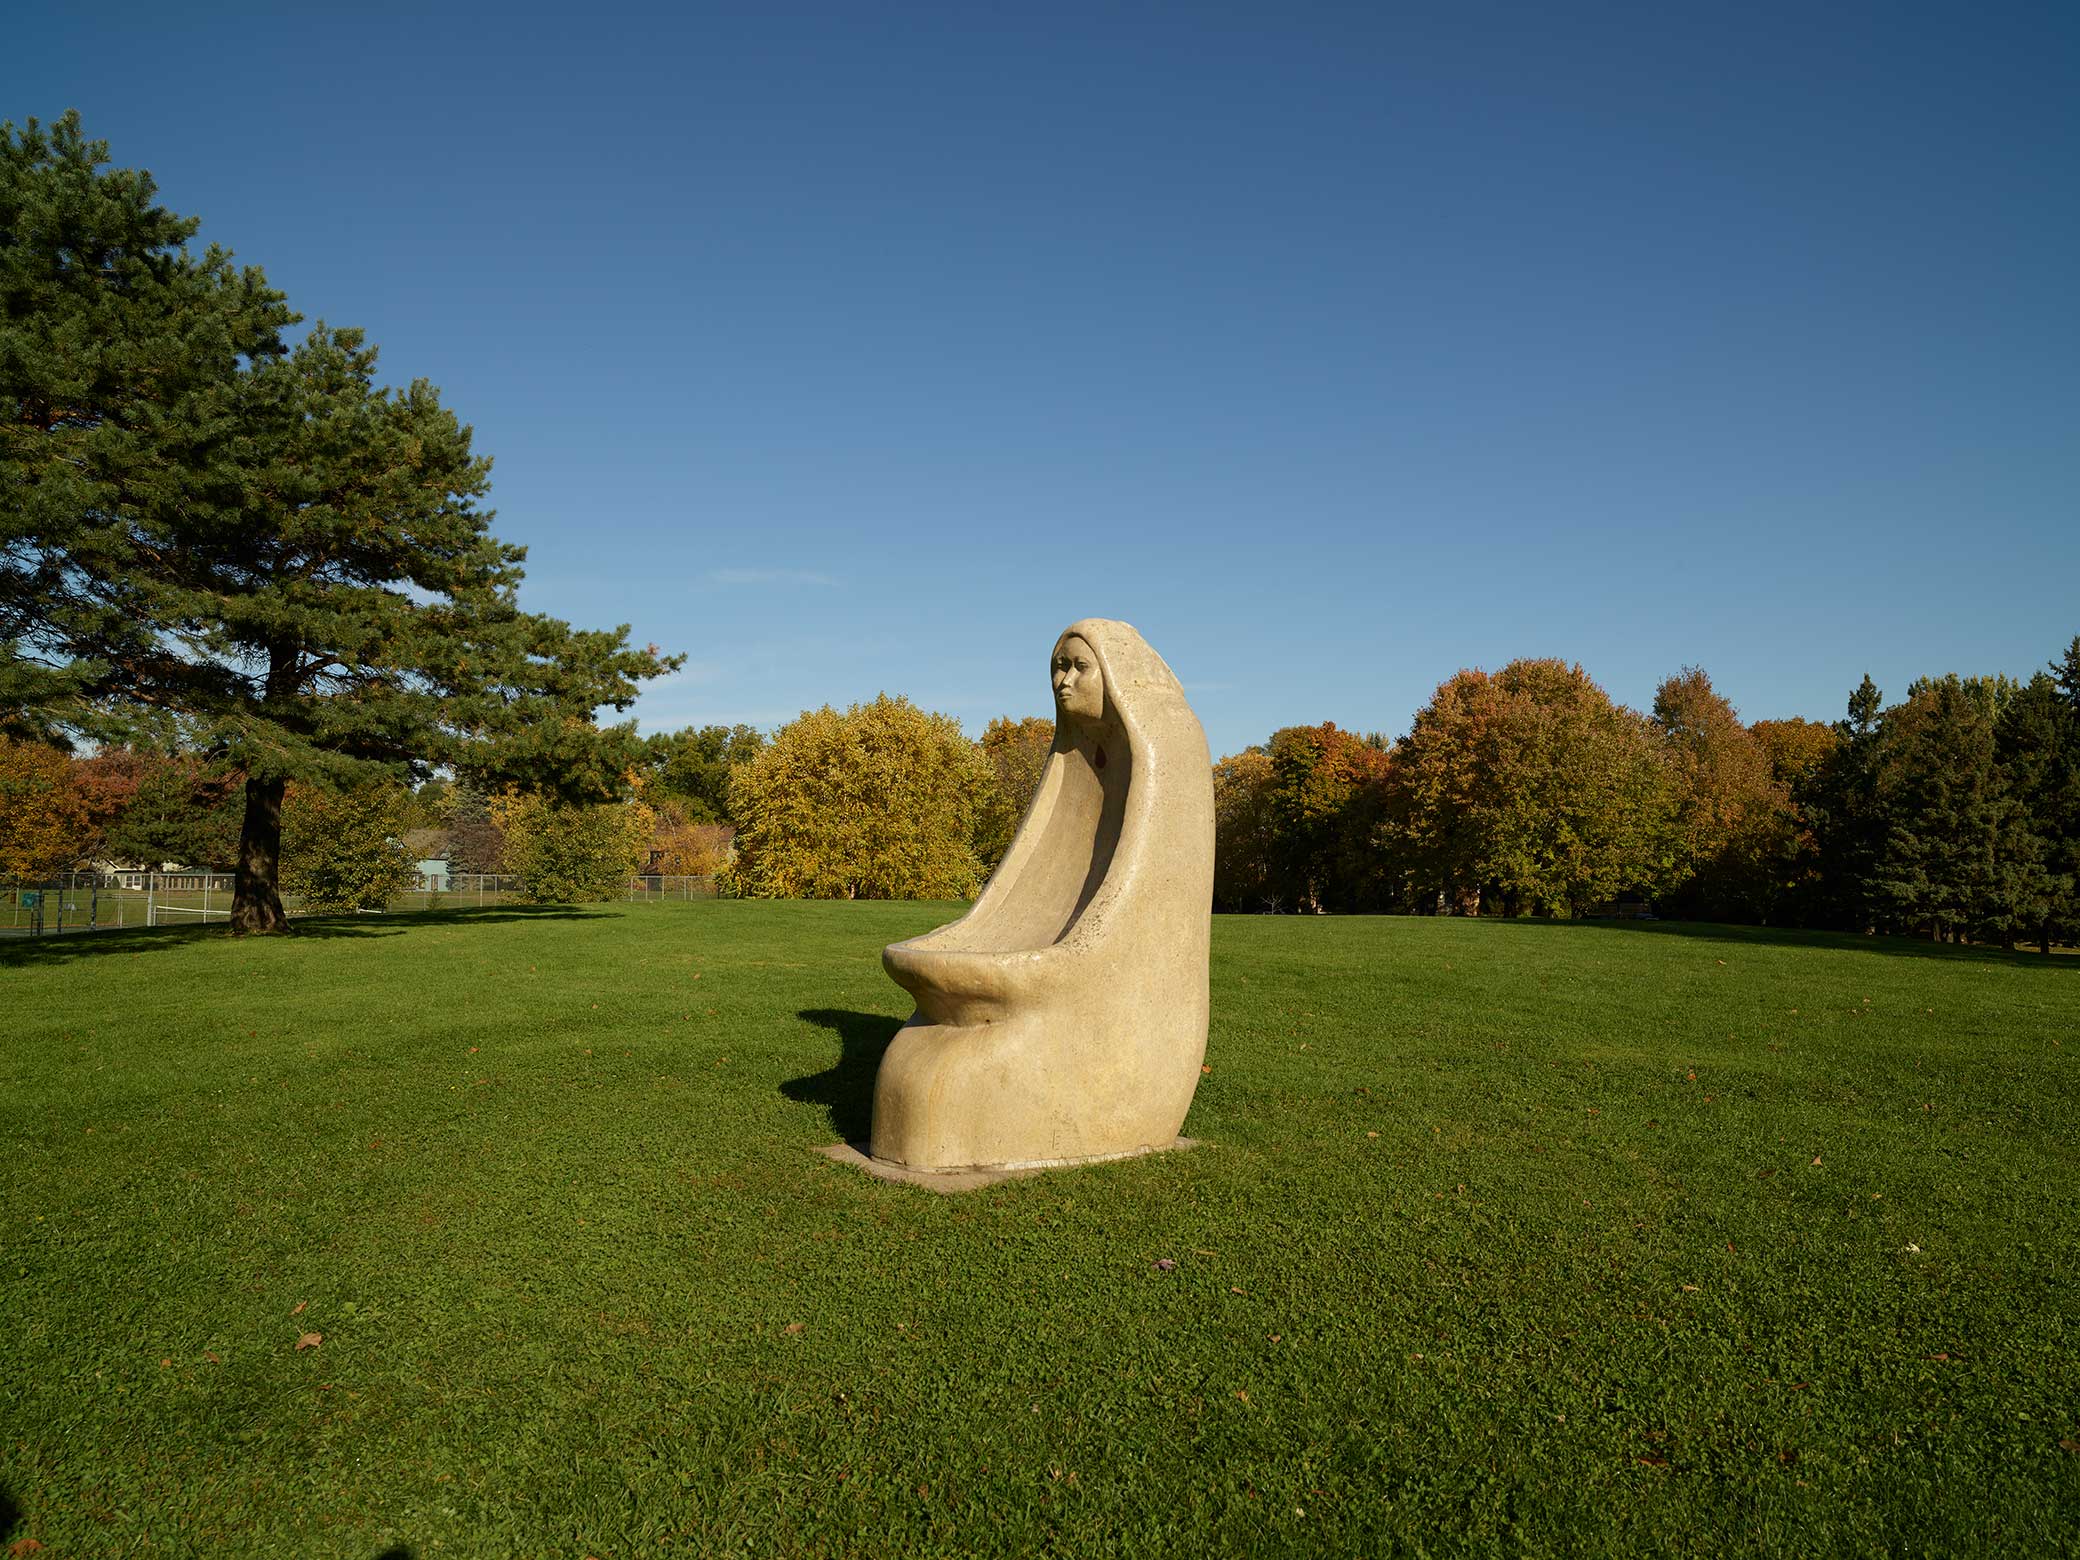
[[1508, 1237]]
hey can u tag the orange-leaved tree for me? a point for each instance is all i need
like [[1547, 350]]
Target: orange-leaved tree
[[45, 826]]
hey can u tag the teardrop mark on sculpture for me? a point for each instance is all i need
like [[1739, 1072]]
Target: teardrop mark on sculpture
[[1098, 757]]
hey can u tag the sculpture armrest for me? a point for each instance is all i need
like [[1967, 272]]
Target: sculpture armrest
[[967, 985]]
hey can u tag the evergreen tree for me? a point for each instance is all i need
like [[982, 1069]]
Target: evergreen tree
[[1841, 801], [476, 844], [268, 543], [1958, 856], [117, 348], [2037, 745], [178, 812]]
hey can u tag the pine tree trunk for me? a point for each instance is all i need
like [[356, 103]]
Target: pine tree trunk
[[256, 905]]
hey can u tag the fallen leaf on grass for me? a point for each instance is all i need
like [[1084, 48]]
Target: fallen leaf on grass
[[212, 1359], [1233, 1290], [299, 1307], [166, 1364], [1689, 1289], [1816, 1159], [2068, 1444], [309, 1341], [25, 1546], [1244, 1396], [1658, 1462], [1166, 1265], [793, 1327], [1935, 1356]]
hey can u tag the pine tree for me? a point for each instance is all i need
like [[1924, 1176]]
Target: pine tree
[[113, 338], [1957, 857], [265, 542], [2037, 743], [1841, 803]]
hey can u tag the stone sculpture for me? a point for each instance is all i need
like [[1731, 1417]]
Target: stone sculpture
[[1063, 1018]]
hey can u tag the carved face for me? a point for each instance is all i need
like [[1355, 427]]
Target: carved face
[[1079, 686]]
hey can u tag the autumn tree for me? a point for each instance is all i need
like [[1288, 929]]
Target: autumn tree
[[1731, 817], [1244, 841], [1015, 752], [1530, 786], [264, 541], [45, 826], [1324, 802], [877, 802], [1799, 751], [688, 849]]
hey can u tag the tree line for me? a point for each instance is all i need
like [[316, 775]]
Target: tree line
[[909, 808], [1953, 813]]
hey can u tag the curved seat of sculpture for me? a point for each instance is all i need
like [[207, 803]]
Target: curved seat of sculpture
[[1063, 1019]]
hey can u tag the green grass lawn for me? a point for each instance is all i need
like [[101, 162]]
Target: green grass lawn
[[1508, 1238]]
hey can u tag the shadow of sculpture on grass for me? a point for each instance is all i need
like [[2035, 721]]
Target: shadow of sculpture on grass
[[846, 1090]]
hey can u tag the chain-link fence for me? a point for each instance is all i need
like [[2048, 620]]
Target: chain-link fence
[[119, 900]]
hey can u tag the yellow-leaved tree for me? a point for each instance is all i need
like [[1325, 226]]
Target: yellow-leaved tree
[[1015, 751], [879, 802], [44, 826]]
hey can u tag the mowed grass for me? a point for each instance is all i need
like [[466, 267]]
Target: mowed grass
[[1507, 1238]]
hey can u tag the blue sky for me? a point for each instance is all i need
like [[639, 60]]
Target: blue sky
[[861, 347]]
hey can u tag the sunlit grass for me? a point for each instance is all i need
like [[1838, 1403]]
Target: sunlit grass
[[1507, 1238]]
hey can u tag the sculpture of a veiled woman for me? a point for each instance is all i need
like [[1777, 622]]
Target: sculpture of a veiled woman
[[1063, 1018]]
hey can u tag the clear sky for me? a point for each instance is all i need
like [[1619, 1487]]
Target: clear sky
[[854, 347]]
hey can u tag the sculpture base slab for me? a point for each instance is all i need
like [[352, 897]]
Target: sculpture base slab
[[975, 1179]]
